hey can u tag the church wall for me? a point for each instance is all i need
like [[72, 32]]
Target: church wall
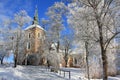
[[36, 38], [39, 34], [31, 40]]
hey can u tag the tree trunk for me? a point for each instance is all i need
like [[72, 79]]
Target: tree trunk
[[15, 60], [65, 57], [66, 60], [101, 42], [103, 52], [87, 62], [104, 58], [58, 44], [16, 52], [2, 60], [26, 59], [105, 65]]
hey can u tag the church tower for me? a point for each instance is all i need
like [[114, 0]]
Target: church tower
[[35, 35]]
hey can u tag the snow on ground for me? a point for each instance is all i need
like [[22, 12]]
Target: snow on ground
[[27, 73], [79, 74], [39, 73], [76, 73]]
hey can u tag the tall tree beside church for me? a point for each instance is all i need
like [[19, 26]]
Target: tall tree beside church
[[55, 15], [100, 15], [67, 44], [20, 19]]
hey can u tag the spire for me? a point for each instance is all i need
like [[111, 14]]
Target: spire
[[36, 21]]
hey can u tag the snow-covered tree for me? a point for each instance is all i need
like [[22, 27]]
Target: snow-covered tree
[[67, 45], [55, 15], [44, 23], [95, 19], [50, 55], [5, 39], [20, 19], [54, 25]]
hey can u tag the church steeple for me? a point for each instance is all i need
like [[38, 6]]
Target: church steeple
[[36, 19]]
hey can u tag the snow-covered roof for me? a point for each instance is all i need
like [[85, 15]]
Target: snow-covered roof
[[34, 25], [53, 45]]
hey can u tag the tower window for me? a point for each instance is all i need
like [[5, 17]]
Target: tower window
[[39, 35], [28, 45], [29, 35]]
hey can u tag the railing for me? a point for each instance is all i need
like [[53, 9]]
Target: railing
[[51, 68], [64, 70]]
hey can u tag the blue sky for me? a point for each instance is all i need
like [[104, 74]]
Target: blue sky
[[9, 7]]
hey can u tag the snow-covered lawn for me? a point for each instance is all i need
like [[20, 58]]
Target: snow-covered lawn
[[39, 73], [79, 74], [27, 73]]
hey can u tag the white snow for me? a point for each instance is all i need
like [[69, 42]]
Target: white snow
[[39, 73], [27, 73], [34, 25]]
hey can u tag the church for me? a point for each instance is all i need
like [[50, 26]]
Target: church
[[34, 41], [35, 35]]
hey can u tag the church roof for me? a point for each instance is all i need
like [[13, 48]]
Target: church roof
[[35, 22], [34, 25]]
